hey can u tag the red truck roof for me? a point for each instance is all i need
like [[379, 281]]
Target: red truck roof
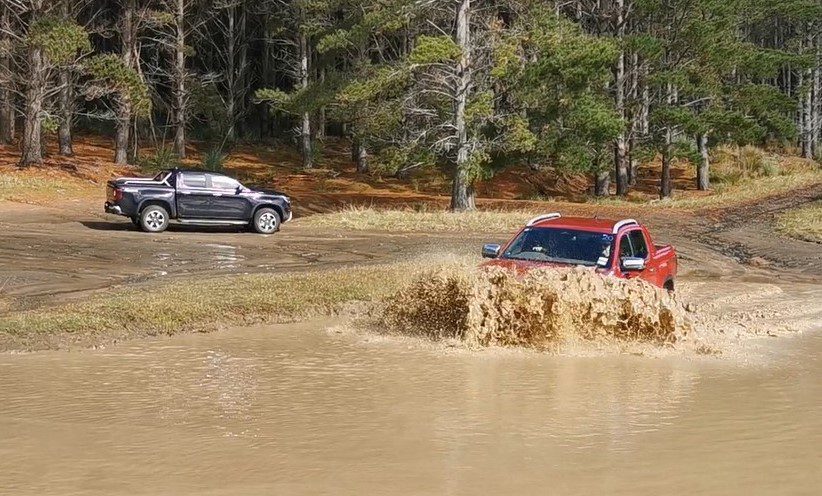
[[580, 223]]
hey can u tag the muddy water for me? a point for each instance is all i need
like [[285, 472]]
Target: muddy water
[[300, 410]]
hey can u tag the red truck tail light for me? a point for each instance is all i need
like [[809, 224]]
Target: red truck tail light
[[118, 194]]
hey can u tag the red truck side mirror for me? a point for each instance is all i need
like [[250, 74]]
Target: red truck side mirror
[[633, 264]]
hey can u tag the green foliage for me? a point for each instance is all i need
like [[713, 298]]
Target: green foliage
[[316, 95], [374, 83], [207, 107], [61, 40], [162, 158], [339, 39], [557, 74], [111, 75], [541, 82], [594, 118], [480, 108], [517, 137], [391, 159], [564, 56], [770, 110], [434, 50], [158, 18], [50, 123], [214, 160], [277, 99]]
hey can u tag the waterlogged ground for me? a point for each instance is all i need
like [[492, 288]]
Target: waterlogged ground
[[298, 410], [316, 408]]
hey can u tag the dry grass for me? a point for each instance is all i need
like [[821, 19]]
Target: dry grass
[[744, 191], [367, 219], [421, 220], [30, 187], [182, 306], [747, 190], [803, 223], [730, 164]]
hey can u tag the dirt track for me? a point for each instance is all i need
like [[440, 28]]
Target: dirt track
[[49, 255]]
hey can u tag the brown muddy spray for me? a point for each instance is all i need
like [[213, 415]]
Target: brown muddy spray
[[542, 309]]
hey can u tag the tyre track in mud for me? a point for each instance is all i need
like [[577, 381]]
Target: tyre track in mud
[[747, 233]]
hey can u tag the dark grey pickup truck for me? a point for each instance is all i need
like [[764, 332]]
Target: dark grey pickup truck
[[195, 197]]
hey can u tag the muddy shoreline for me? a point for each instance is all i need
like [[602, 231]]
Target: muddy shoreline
[[50, 257]]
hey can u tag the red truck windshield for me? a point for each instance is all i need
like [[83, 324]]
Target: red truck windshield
[[545, 244]]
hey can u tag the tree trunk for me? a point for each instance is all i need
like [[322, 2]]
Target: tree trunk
[[602, 183], [66, 113], [621, 153], [32, 141], [807, 118], [816, 112], [665, 179], [462, 192], [321, 119], [635, 125], [180, 80], [361, 156], [644, 112], [355, 150], [230, 75], [305, 129], [35, 94], [633, 163], [602, 180], [235, 68], [703, 181], [6, 95], [242, 67], [66, 98], [268, 76], [667, 149], [121, 139]]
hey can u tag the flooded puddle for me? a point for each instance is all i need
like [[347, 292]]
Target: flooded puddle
[[299, 410]]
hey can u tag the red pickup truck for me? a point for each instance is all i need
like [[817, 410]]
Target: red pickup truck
[[619, 248]]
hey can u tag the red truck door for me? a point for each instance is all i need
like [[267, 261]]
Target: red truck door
[[634, 243], [642, 249]]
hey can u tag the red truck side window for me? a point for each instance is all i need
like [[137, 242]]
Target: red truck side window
[[638, 243], [625, 249]]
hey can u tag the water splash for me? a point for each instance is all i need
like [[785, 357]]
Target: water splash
[[542, 309]]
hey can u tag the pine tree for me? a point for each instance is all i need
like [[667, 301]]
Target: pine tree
[[49, 42]]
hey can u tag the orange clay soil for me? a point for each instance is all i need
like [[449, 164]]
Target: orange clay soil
[[334, 182]]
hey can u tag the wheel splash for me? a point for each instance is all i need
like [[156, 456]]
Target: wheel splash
[[543, 309]]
